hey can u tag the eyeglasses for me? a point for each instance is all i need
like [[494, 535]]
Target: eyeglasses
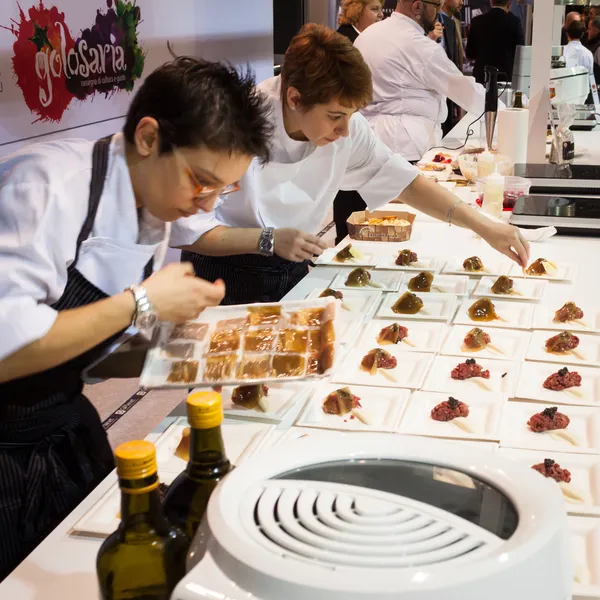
[[200, 189]]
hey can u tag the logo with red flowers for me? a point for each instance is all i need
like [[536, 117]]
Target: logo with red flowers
[[53, 68]]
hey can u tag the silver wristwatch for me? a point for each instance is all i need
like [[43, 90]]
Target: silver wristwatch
[[266, 242], [144, 318]]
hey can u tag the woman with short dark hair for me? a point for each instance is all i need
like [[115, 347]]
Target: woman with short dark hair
[[79, 223]]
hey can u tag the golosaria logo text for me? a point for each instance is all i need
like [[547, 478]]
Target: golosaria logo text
[[52, 68]]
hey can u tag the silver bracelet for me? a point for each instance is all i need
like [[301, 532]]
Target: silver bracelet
[[452, 209]]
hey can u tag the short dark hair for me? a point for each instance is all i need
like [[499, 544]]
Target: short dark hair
[[323, 66], [500, 2], [199, 102], [576, 30]]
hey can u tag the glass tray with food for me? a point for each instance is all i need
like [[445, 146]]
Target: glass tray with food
[[254, 343]]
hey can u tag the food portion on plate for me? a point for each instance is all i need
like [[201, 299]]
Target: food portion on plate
[[393, 334], [468, 370], [504, 285], [343, 402], [568, 313], [408, 304], [348, 254], [540, 267], [329, 293], [477, 340], [552, 470], [406, 258], [359, 278], [553, 423], [473, 264], [563, 343], [379, 360], [421, 282], [454, 411], [562, 380], [251, 397], [441, 158], [484, 311]]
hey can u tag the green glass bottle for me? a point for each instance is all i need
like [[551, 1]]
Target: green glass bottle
[[187, 498], [144, 558]]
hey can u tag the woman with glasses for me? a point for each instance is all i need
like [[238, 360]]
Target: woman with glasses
[[357, 15], [412, 80], [261, 238], [81, 222]]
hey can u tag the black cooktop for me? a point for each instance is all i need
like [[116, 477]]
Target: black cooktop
[[557, 179]]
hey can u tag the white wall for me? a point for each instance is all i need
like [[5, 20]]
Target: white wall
[[236, 30]]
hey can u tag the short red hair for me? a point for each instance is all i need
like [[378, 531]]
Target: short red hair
[[324, 66]]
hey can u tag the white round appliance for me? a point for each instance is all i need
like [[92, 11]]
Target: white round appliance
[[381, 516]]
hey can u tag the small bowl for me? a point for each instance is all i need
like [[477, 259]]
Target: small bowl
[[514, 187]]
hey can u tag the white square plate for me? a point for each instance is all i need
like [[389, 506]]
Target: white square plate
[[514, 315], [492, 267], [585, 476], [387, 260], [587, 353], [369, 258], [525, 289], [469, 445], [409, 373], [511, 344], [382, 408], [322, 436], [533, 375], [442, 284], [422, 336], [241, 439], [436, 307], [502, 377], [280, 399], [483, 419], [355, 301], [585, 549], [387, 282], [584, 425], [543, 318], [565, 272]]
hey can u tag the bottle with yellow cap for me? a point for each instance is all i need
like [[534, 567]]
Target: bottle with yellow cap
[[145, 556], [187, 498]]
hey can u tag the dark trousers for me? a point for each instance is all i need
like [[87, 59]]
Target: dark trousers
[[249, 278], [346, 202]]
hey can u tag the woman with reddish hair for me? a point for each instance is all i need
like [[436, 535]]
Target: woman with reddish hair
[[357, 15], [261, 240]]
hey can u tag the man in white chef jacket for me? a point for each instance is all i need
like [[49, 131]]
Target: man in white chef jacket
[[412, 78], [260, 240]]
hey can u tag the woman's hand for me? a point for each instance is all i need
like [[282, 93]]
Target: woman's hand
[[177, 295], [508, 240], [437, 32]]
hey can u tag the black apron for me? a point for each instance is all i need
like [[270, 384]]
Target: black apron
[[249, 278], [53, 449]]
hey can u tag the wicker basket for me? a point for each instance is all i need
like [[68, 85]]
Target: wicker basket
[[359, 230]]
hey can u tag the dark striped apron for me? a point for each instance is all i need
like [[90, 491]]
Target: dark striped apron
[[53, 449], [249, 278]]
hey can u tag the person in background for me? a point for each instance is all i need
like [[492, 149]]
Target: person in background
[[79, 223], [357, 15], [412, 78], [452, 45], [575, 54], [493, 39], [260, 241], [570, 17], [593, 44]]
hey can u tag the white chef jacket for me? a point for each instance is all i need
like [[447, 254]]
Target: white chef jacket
[[44, 192], [577, 55], [412, 77], [298, 186]]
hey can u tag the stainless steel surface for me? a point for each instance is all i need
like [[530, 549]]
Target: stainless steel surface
[[558, 222], [561, 207]]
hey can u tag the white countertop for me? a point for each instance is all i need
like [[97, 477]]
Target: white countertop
[[63, 566]]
